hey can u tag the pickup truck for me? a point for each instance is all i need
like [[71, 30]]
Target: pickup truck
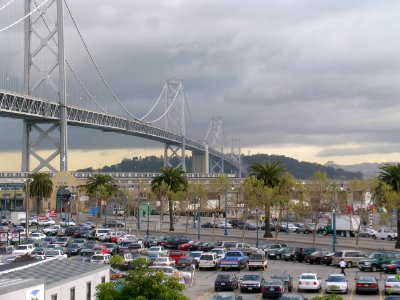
[[234, 259], [385, 234]]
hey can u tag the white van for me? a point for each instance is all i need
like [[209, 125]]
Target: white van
[[101, 232]]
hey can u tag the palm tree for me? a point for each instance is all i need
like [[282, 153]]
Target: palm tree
[[270, 173], [390, 174], [41, 187], [176, 181], [101, 187]]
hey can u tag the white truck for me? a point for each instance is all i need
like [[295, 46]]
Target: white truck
[[346, 225], [18, 218], [385, 234]]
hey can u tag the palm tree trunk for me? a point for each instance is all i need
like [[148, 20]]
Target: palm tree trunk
[[267, 233], [171, 215], [397, 246]]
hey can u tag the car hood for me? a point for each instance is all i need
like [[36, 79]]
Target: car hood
[[331, 283], [250, 282]]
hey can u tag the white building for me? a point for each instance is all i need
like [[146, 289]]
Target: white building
[[52, 279]]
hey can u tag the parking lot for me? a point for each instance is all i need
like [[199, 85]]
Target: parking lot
[[203, 287]]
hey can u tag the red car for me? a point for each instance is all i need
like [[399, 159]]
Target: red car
[[176, 254], [185, 246]]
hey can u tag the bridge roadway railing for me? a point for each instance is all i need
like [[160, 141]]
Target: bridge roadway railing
[[31, 108]]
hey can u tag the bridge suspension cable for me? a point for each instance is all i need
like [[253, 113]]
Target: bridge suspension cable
[[169, 107], [155, 104], [24, 17], [96, 67], [7, 4]]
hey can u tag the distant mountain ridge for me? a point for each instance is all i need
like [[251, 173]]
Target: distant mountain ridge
[[369, 170], [300, 170]]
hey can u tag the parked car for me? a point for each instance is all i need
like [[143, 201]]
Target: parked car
[[251, 283], [300, 253], [208, 225], [282, 251], [337, 283], [209, 260], [392, 267], [171, 271], [51, 230], [272, 288], [112, 248], [196, 256], [366, 284], [351, 257], [114, 223], [37, 236], [327, 258], [227, 296], [100, 258], [258, 260], [164, 261], [176, 254], [376, 260], [287, 280], [24, 249], [158, 249], [235, 223], [73, 249], [58, 253], [222, 225], [309, 281], [226, 282], [392, 285], [293, 297], [219, 251], [315, 257], [184, 262]]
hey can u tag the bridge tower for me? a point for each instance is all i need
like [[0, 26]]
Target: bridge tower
[[174, 97], [44, 68], [237, 156], [215, 139]]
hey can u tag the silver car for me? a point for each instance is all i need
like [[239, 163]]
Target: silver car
[[392, 285]]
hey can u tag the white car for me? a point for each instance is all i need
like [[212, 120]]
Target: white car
[[184, 277], [164, 261], [67, 223], [222, 225], [47, 222], [337, 283], [219, 251], [126, 238], [24, 249], [309, 282], [158, 249], [100, 258], [37, 236], [291, 227]]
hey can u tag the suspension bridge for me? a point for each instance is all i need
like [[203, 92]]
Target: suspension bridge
[[49, 90]]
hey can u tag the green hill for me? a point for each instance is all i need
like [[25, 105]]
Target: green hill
[[300, 170]]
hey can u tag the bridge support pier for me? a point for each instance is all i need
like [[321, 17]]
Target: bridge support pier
[[216, 165], [200, 162], [174, 156]]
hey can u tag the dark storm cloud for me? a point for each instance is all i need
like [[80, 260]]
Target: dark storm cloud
[[315, 73]]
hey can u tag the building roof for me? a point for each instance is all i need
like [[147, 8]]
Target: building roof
[[8, 285], [51, 271]]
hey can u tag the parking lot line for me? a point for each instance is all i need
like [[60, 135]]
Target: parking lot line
[[322, 291], [380, 294], [204, 296], [351, 294]]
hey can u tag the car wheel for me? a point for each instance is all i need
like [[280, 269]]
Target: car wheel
[[349, 264], [389, 238], [374, 237]]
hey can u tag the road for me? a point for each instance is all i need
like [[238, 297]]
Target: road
[[203, 287]]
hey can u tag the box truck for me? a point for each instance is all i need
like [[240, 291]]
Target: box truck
[[346, 225], [18, 218]]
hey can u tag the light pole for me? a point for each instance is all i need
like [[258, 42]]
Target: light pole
[[226, 211], [287, 211], [148, 218], [257, 228], [138, 210], [27, 196], [198, 219]]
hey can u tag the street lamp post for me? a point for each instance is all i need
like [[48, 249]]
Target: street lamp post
[[257, 228], [27, 197], [198, 219], [138, 210], [148, 218], [226, 211]]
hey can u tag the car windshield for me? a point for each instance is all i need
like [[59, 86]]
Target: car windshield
[[175, 253], [52, 253], [73, 246], [223, 277], [225, 296], [312, 277], [256, 256], [63, 239], [273, 282], [252, 277], [152, 254], [206, 257], [155, 248], [161, 259], [336, 279], [22, 247], [196, 254], [366, 278], [185, 259], [281, 276], [392, 279], [233, 254], [375, 255], [97, 257]]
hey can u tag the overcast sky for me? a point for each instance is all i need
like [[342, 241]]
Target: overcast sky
[[313, 80]]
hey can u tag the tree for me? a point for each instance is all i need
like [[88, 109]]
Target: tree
[[101, 187], [142, 284], [390, 175], [175, 180], [270, 173], [41, 187]]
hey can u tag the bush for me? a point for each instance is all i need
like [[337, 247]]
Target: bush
[[328, 297], [116, 261]]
